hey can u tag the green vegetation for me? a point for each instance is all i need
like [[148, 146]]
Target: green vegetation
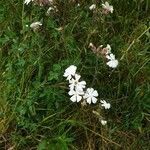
[[35, 109]]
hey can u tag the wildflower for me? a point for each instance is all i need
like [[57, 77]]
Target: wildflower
[[103, 122], [92, 7], [49, 10], [78, 5], [107, 8], [70, 71], [105, 51], [113, 63], [91, 45], [105, 104], [76, 95], [27, 1], [91, 95], [75, 84], [35, 25], [108, 48]]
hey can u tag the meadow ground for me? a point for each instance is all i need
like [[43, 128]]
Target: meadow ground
[[35, 109]]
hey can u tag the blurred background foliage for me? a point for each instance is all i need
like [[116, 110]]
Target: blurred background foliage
[[35, 110]]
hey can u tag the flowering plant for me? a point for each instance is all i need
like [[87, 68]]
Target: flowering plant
[[106, 53], [79, 92]]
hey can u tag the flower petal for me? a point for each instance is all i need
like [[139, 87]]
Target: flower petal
[[69, 77], [88, 100], [102, 101], [77, 77], [71, 92], [83, 82], [79, 98], [108, 57], [73, 98], [85, 96], [95, 93], [112, 56], [94, 100], [107, 4]]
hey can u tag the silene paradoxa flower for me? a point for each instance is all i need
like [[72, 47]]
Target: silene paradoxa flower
[[92, 7], [113, 63], [76, 84], [90, 95], [76, 95], [105, 104], [107, 8], [27, 1], [70, 72]]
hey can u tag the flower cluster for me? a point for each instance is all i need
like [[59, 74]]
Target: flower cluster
[[106, 8], [39, 2], [77, 87], [106, 52], [50, 3], [79, 92], [112, 62], [27, 1]]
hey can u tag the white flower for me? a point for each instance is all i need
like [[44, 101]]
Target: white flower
[[108, 7], [76, 95], [35, 25], [51, 1], [91, 95], [108, 49], [49, 10], [105, 104], [92, 7], [75, 84], [113, 63], [103, 122], [70, 71], [91, 45], [27, 1]]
